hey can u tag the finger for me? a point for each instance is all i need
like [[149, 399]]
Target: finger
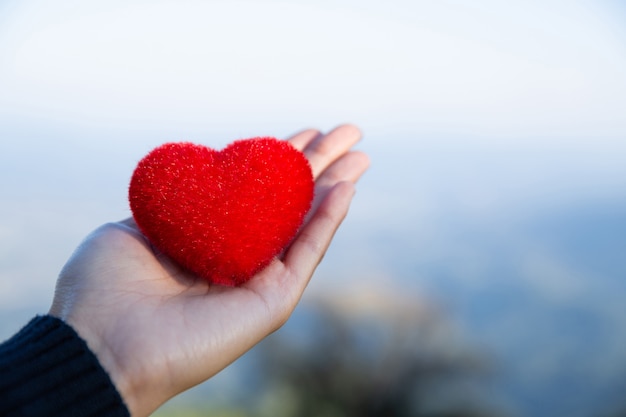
[[302, 139], [130, 222], [324, 150], [309, 247], [349, 167]]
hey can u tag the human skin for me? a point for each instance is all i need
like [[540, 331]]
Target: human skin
[[159, 330]]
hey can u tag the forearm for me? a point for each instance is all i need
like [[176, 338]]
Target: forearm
[[47, 369]]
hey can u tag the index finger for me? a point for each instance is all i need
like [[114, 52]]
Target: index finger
[[309, 247], [301, 139], [323, 150]]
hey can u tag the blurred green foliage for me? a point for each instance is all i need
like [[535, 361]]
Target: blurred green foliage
[[199, 411], [367, 358]]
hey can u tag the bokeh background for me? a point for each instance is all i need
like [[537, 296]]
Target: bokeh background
[[482, 269]]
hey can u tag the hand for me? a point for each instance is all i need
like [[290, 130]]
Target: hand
[[159, 330]]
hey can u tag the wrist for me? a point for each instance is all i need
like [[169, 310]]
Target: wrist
[[135, 388]]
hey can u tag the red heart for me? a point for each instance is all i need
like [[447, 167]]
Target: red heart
[[223, 215]]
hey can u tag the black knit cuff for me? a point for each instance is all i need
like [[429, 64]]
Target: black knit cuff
[[47, 370]]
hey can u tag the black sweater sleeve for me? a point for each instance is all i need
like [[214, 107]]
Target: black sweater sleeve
[[46, 369]]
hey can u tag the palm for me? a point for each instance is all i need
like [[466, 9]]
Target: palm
[[177, 315], [160, 329]]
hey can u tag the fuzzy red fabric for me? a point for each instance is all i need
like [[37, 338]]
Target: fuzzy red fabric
[[223, 215]]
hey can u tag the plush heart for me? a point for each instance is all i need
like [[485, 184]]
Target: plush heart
[[223, 215]]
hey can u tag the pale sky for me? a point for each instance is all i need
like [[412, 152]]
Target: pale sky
[[87, 82], [522, 69]]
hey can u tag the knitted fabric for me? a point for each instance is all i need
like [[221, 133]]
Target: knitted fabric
[[46, 369]]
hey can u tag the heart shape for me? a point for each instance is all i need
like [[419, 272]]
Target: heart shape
[[223, 215]]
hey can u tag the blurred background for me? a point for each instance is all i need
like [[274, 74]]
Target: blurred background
[[481, 271]]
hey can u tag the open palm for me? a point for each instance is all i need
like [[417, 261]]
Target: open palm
[[159, 330]]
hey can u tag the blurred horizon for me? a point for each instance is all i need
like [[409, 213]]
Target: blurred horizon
[[496, 195]]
